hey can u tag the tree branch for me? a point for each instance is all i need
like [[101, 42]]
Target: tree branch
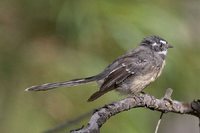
[[101, 115], [68, 123]]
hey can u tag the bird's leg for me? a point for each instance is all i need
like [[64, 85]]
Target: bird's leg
[[136, 94], [142, 92], [133, 94]]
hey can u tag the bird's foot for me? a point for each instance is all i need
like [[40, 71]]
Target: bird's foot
[[133, 95]]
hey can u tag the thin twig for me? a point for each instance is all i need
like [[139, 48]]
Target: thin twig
[[167, 96], [142, 100], [159, 121]]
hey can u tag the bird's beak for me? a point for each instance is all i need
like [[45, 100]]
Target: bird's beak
[[170, 46]]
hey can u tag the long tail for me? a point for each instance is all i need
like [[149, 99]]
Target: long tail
[[49, 86]]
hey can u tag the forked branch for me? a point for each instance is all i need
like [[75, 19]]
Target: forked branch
[[165, 104]]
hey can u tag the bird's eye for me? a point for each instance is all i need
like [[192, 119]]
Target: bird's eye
[[161, 45]]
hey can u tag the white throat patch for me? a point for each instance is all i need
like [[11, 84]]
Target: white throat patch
[[163, 52]]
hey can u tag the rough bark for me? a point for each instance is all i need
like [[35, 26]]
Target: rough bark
[[165, 104]]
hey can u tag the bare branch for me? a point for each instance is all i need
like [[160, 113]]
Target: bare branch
[[68, 123], [165, 105]]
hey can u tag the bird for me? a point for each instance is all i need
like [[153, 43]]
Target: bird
[[130, 73]]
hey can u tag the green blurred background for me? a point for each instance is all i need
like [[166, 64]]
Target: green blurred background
[[56, 40]]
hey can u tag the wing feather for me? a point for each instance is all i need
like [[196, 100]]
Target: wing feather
[[122, 72]]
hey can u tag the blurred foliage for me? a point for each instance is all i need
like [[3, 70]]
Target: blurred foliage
[[48, 41]]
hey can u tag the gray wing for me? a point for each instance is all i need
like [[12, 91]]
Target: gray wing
[[127, 67]]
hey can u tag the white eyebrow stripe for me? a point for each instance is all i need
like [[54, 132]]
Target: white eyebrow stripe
[[162, 41]]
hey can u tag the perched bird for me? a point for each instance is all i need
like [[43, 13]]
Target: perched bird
[[129, 73]]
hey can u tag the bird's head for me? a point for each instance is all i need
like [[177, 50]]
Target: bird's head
[[157, 44]]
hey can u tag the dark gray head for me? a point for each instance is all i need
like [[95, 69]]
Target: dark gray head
[[157, 44]]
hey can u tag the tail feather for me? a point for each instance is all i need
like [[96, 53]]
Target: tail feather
[[95, 96], [98, 94], [49, 86]]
